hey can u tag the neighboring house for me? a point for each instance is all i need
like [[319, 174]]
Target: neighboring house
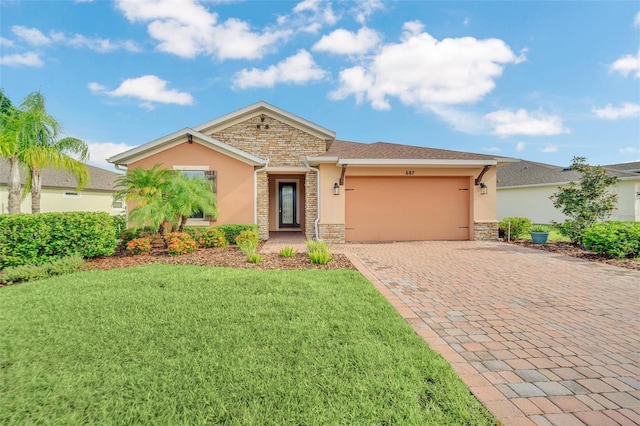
[[524, 189], [59, 193], [285, 173]]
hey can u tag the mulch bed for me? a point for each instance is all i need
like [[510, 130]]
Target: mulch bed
[[230, 257], [573, 250]]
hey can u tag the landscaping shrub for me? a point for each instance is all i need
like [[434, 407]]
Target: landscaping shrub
[[254, 257], [139, 245], [613, 239], [247, 241], [133, 233], [288, 252], [33, 239], [194, 231], [179, 243], [519, 226], [318, 252], [213, 237], [232, 231], [22, 273], [119, 223]]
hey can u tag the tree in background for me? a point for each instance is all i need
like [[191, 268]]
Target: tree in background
[[586, 202], [30, 138], [163, 198]]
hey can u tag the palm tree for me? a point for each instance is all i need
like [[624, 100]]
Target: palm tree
[[9, 132], [43, 149], [29, 137], [191, 195], [164, 198]]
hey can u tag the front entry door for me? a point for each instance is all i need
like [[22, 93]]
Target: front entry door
[[287, 214]]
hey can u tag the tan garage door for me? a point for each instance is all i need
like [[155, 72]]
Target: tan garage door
[[407, 208]]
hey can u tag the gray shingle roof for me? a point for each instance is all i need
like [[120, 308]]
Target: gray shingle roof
[[532, 173], [99, 179], [384, 150]]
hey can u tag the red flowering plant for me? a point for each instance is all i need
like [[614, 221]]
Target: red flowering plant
[[139, 245], [179, 243]]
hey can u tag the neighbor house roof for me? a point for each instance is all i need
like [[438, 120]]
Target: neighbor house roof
[[633, 167], [345, 152], [99, 179], [529, 173]]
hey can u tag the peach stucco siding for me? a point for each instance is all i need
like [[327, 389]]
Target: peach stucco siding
[[234, 180]]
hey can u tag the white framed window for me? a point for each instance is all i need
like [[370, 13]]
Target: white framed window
[[117, 204]]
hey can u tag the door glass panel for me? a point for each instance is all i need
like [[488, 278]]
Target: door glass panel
[[286, 200]]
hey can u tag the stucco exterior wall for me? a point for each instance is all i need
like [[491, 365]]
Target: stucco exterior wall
[[234, 180], [533, 202], [57, 200]]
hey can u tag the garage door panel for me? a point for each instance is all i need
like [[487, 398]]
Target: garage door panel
[[407, 208]]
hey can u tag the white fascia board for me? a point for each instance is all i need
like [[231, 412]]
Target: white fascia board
[[286, 169], [501, 160], [315, 160], [414, 162], [260, 107], [177, 138]]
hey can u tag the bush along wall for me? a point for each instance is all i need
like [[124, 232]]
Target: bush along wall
[[28, 239]]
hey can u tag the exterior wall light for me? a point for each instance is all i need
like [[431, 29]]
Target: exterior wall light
[[483, 188], [336, 189]]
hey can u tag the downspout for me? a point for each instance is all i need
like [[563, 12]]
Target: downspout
[[120, 167], [315, 223], [126, 206], [255, 190]]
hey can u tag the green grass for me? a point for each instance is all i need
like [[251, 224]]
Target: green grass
[[169, 344]]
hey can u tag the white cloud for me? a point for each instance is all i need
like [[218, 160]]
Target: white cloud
[[35, 37], [466, 21], [100, 151], [492, 149], [627, 64], [520, 146], [187, 29], [149, 88], [32, 36], [28, 59], [312, 15], [508, 123], [626, 110], [343, 42], [423, 71], [6, 42], [636, 22], [299, 68], [83, 1], [549, 148], [628, 150], [365, 8]]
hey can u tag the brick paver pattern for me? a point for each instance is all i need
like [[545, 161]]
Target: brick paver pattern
[[539, 338]]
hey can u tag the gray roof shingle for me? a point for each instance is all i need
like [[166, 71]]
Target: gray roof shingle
[[99, 179], [532, 173], [384, 150]]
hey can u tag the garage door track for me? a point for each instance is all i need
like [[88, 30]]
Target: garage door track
[[539, 338]]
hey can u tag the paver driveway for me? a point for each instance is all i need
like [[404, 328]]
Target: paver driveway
[[539, 338]]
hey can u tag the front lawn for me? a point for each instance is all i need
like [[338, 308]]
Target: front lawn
[[167, 344]]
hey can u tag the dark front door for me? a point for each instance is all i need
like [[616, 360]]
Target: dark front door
[[287, 216]]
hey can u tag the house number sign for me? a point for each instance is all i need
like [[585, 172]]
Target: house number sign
[[409, 172]]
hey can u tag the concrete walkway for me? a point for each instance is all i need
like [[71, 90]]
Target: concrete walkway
[[539, 338]]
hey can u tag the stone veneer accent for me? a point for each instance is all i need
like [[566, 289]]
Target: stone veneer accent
[[485, 231], [310, 203], [284, 146], [331, 232], [263, 204]]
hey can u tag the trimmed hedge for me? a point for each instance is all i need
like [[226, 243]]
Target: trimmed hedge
[[519, 226], [613, 239], [33, 239], [230, 231]]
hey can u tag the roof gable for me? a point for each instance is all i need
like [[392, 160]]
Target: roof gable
[[263, 108], [179, 137]]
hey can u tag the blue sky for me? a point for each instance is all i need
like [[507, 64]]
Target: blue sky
[[542, 81]]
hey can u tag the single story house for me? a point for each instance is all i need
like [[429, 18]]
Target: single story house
[[286, 173], [524, 189], [59, 193]]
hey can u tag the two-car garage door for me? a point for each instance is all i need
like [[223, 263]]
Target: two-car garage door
[[407, 208]]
